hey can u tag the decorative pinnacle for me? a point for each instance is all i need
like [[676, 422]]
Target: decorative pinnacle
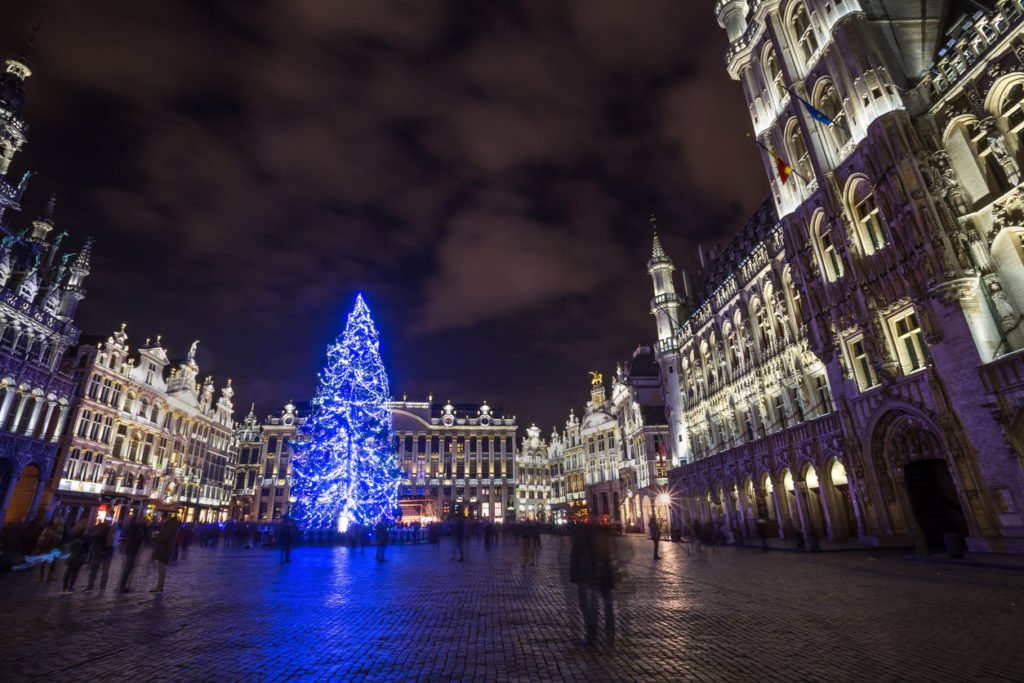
[[82, 260], [51, 206]]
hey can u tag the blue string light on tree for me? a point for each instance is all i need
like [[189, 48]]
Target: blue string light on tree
[[345, 468]]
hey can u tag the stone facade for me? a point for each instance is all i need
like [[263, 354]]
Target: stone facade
[[533, 474], [40, 289], [896, 267], [144, 436], [456, 458], [263, 475], [612, 465], [644, 455]]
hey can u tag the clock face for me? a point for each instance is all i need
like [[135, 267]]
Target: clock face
[[448, 420]]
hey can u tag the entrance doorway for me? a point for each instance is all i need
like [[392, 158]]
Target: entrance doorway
[[933, 501]]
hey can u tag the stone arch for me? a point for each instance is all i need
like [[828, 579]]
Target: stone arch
[[869, 226], [826, 98], [817, 517], [771, 73], [824, 239], [797, 152], [802, 33], [900, 437], [843, 522], [1005, 103]]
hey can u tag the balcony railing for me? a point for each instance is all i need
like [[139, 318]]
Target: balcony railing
[[978, 35]]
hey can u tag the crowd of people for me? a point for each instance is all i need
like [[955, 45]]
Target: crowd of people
[[47, 543]]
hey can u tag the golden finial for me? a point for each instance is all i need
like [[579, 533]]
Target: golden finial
[[597, 379]]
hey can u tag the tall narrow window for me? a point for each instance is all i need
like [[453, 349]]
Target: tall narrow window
[[862, 369], [910, 343], [871, 226], [831, 105], [804, 31], [799, 157], [824, 396], [828, 254], [774, 76]]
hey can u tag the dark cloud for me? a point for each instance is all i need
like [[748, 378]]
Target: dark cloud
[[483, 171]]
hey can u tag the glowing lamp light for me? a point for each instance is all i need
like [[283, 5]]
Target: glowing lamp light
[[664, 499]]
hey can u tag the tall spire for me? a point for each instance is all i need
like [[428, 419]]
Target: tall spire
[[658, 254]]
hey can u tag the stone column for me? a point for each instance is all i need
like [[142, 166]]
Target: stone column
[[36, 410], [39, 492], [826, 493], [23, 399], [5, 409], [60, 423], [806, 523], [46, 420], [781, 504]]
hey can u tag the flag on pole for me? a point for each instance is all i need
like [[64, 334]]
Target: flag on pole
[[816, 114], [660, 446], [781, 165]]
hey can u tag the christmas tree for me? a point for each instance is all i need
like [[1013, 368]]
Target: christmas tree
[[345, 468]]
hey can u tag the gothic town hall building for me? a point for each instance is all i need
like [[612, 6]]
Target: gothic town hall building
[[852, 366], [40, 288]]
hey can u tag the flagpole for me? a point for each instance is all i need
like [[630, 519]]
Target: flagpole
[[818, 115], [772, 154]]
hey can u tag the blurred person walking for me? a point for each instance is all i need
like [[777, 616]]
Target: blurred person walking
[[285, 536], [135, 536], [103, 541], [163, 547], [655, 528], [382, 538], [77, 549]]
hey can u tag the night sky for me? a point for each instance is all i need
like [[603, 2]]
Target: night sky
[[482, 171]]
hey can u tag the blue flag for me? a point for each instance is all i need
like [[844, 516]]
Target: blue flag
[[816, 114]]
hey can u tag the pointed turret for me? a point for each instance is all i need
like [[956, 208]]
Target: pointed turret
[[42, 226], [666, 308], [665, 304]]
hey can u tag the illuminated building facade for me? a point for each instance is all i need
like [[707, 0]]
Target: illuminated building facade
[[456, 458], [40, 289], [644, 459], [891, 283], [534, 478], [144, 436], [588, 451], [263, 475]]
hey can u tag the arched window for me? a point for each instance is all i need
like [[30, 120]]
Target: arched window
[[773, 75], [761, 315], [869, 223], [1012, 109], [796, 149], [831, 105], [830, 264], [1007, 148], [730, 347], [804, 33]]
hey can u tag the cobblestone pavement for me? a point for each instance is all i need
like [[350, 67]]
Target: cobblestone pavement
[[738, 614]]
